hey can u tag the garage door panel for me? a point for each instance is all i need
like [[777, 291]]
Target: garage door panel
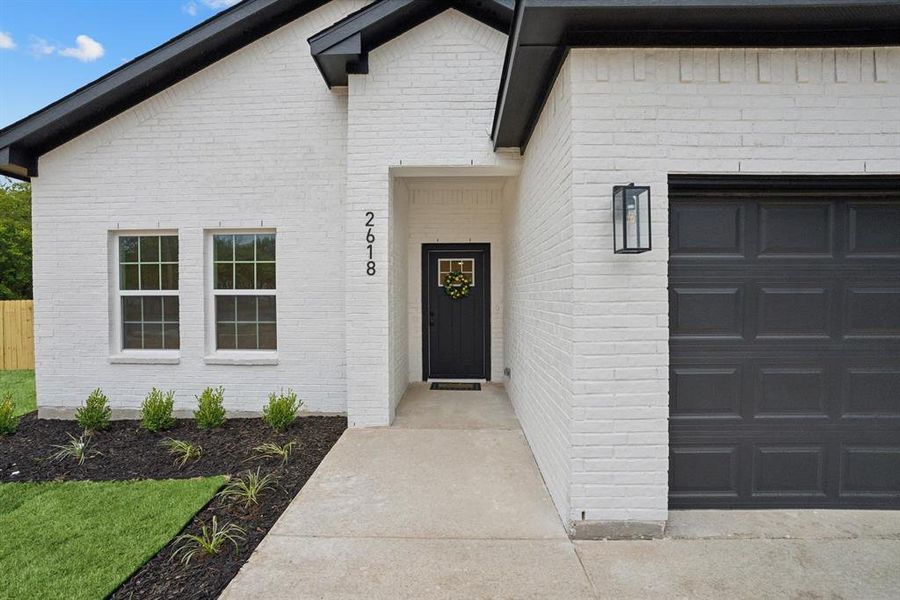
[[799, 392], [795, 228], [707, 311], [708, 228], [871, 392], [872, 311], [706, 393], [872, 471], [789, 470], [798, 310], [704, 471], [784, 346], [874, 229]]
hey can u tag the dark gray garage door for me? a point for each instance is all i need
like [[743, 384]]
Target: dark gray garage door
[[784, 305]]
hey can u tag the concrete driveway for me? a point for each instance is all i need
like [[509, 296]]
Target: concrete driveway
[[448, 503]]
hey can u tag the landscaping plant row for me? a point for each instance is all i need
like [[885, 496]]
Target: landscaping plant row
[[215, 529]]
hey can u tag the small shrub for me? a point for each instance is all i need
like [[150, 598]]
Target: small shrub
[[156, 410], [210, 413], [76, 449], [95, 413], [183, 451], [209, 542], [282, 410], [273, 450], [248, 488], [8, 422]]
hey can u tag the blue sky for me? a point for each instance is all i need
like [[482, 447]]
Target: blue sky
[[49, 48]]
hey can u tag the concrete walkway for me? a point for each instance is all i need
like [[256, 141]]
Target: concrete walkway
[[448, 503]]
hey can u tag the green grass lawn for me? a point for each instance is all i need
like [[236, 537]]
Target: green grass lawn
[[21, 385], [82, 539]]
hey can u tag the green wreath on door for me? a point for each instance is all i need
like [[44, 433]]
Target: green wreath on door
[[457, 285]]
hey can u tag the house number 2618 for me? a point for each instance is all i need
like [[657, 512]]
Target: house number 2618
[[370, 240]]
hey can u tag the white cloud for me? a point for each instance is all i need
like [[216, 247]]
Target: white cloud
[[6, 41], [219, 4], [40, 47], [87, 49], [190, 8]]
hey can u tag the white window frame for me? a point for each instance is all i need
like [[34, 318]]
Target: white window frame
[[455, 260], [215, 356], [119, 354]]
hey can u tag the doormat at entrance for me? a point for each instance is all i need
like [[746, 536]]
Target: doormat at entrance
[[456, 387]]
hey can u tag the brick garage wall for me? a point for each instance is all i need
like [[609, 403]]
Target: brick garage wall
[[427, 100], [255, 139], [639, 115], [455, 210], [539, 293]]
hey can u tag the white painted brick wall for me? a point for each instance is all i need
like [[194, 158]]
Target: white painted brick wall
[[639, 115], [539, 293], [454, 210], [254, 139], [428, 99]]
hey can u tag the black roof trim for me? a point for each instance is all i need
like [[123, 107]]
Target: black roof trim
[[344, 47], [24, 141], [545, 29]]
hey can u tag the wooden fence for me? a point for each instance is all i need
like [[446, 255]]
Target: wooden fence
[[16, 334]]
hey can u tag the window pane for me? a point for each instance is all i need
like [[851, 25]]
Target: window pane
[[265, 246], [246, 308], [152, 308], [225, 336], [153, 336], [243, 247], [268, 340], [129, 279], [170, 336], [265, 276], [266, 308], [224, 276], [223, 247], [243, 276], [128, 249], [169, 248], [225, 308], [131, 308], [131, 336], [170, 309], [246, 336], [150, 248], [170, 277], [149, 277]]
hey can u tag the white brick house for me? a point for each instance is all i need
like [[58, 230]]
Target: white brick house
[[750, 358]]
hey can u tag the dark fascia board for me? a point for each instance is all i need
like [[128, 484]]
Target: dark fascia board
[[564, 24], [24, 141], [344, 47]]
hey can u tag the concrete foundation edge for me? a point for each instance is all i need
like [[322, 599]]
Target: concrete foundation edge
[[617, 530]]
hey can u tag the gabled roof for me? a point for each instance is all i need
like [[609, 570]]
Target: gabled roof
[[24, 141], [344, 47], [544, 30]]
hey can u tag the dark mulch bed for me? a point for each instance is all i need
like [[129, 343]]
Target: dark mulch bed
[[129, 452]]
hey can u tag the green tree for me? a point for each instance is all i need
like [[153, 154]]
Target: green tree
[[15, 241]]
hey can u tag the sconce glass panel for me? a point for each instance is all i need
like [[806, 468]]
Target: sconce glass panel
[[631, 219]]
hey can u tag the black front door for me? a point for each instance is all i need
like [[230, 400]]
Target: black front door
[[456, 341]]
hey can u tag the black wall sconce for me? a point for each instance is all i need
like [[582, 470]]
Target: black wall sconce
[[631, 219]]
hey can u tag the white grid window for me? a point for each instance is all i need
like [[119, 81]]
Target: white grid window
[[148, 292], [466, 266], [244, 291]]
